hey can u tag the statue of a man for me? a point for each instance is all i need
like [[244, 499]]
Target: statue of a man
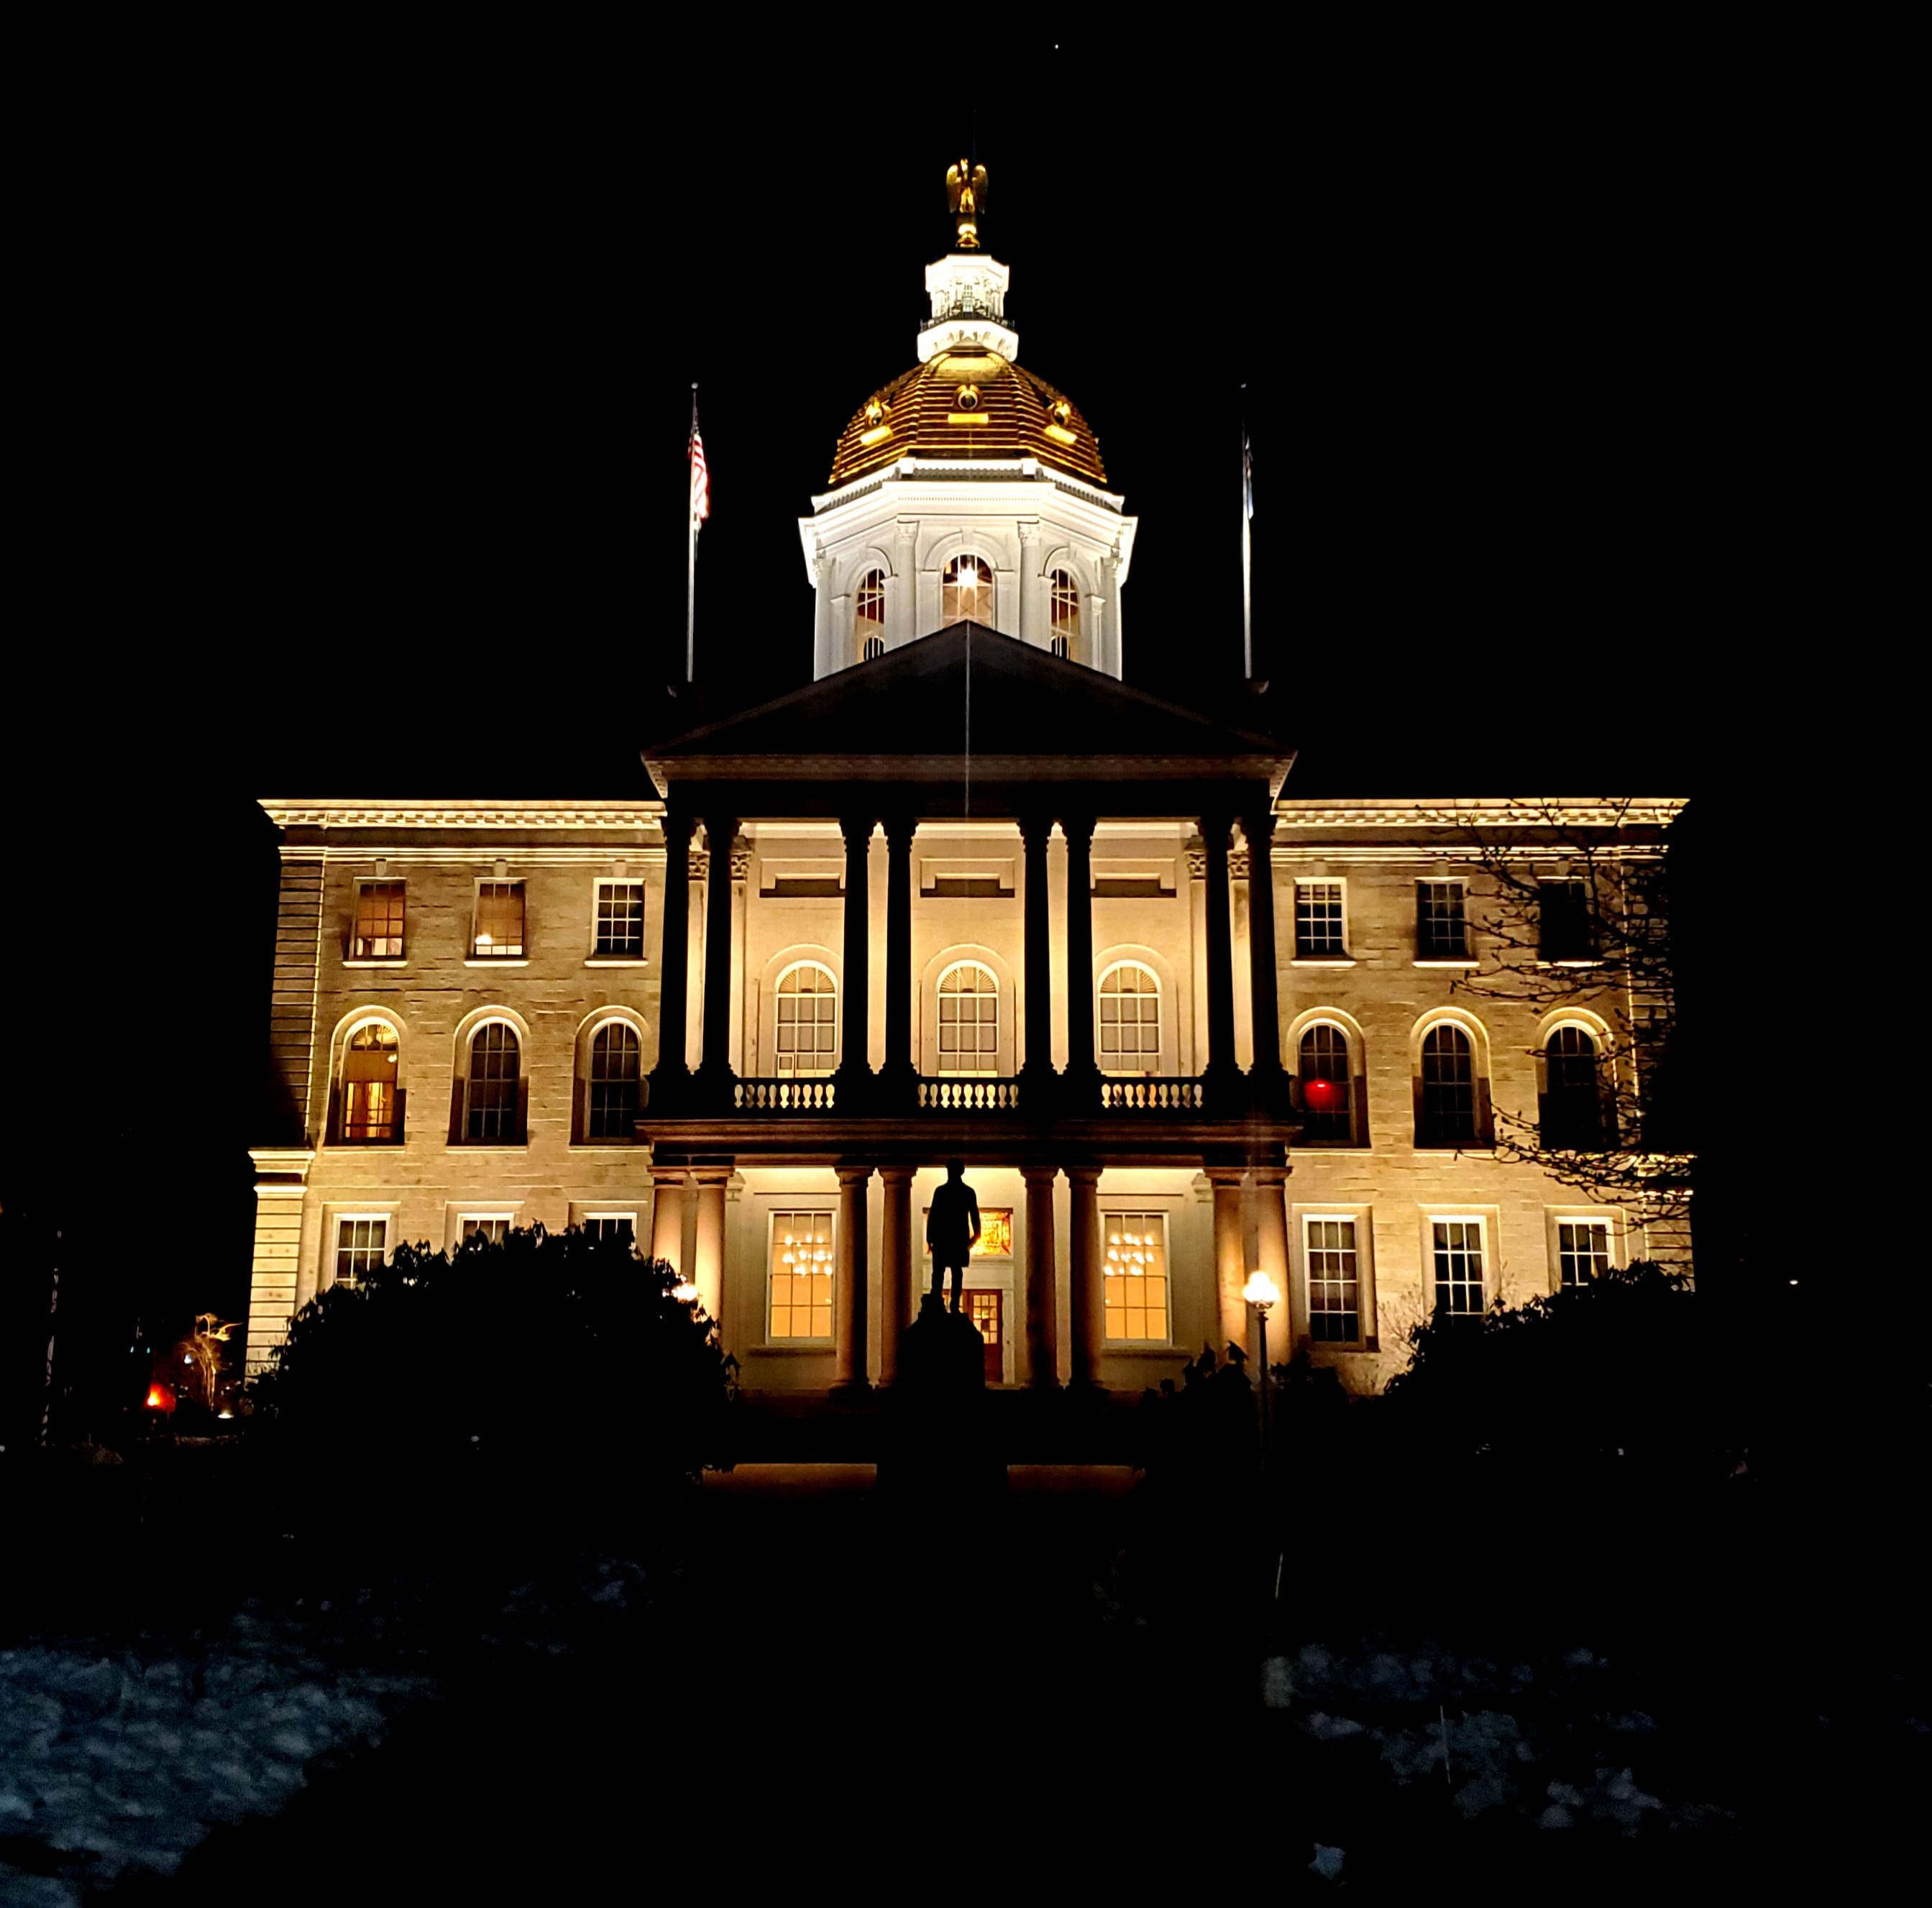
[[952, 1229]]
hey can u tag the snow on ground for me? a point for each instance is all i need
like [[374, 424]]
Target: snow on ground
[[1511, 1734], [124, 1756]]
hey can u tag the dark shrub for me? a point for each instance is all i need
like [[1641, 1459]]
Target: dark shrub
[[541, 1341]]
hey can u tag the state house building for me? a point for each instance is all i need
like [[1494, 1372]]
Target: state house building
[[966, 895]]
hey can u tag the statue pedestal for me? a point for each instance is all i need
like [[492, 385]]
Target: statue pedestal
[[934, 1445]]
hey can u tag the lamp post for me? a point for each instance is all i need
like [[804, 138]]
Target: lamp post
[[1260, 1293]]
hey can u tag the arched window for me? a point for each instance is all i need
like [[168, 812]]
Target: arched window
[[492, 1090], [1129, 1019], [868, 616], [966, 592], [1327, 1108], [616, 1064], [1572, 1095], [1449, 1110], [371, 1104], [969, 1020], [1063, 615], [807, 1040]]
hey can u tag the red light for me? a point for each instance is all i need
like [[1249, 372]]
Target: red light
[[160, 1397], [1319, 1093]]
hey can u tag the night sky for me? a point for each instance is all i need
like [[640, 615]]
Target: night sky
[[394, 379]]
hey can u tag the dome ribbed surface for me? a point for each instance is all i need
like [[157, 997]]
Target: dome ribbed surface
[[1023, 416]]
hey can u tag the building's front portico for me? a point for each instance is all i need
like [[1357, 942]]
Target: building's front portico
[[1056, 749]]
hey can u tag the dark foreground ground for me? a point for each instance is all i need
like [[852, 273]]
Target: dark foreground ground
[[1078, 1681]]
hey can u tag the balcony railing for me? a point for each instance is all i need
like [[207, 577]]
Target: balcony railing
[[1152, 1093], [969, 1095], [756, 1095]]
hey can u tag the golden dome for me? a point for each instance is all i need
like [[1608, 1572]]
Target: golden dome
[[967, 403]]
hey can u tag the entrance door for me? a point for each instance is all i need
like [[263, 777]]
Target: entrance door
[[983, 1308]]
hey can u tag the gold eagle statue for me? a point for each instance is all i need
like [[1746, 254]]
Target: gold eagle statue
[[966, 200]]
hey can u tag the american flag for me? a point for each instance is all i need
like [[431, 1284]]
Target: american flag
[[700, 478]]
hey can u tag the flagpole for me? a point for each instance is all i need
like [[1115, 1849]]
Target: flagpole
[[691, 568], [1247, 559]]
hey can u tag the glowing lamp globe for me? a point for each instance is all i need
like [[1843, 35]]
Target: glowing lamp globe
[[1317, 1093], [1260, 1290]]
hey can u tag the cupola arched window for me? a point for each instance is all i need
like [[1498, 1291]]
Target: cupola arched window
[[1063, 615], [1573, 1094], [371, 1104], [969, 1020], [807, 1034], [966, 594], [868, 616]]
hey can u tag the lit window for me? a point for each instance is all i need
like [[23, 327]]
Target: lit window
[[1442, 931], [1129, 1020], [801, 1276], [1063, 613], [491, 1105], [1317, 920], [969, 1021], [868, 617], [808, 1028], [379, 922], [611, 1225], [1573, 1099], [1328, 1117], [1563, 921], [616, 1065], [966, 592], [492, 1227], [1448, 1107], [1135, 1276], [360, 1247], [370, 1104], [1582, 1250], [1458, 1248], [1334, 1283], [620, 920], [499, 920]]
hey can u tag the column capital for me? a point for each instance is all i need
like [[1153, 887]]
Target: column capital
[[896, 1176], [1215, 826], [1270, 1176], [1082, 1175], [857, 828], [1219, 1176], [1079, 829], [900, 827], [1035, 827], [719, 830], [713, 1176], [850, 1175], [1257, 823], [677, 824], [1034, 1175]]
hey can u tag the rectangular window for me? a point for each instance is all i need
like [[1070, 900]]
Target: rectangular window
[[379, 922], [1582, 1250], [1563, 920], [1134, 1269], [360, 1246], [1334, 1284], [1318, 920], [801, 1278], [620, 920], [611, 1225], [495, 1226], [1458, 1251], [1441, 932], [500, 921]]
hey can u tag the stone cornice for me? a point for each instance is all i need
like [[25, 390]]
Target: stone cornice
[[519, 814], [1480, 813]]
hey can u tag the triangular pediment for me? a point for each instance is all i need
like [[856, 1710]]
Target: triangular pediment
[[919, 712]]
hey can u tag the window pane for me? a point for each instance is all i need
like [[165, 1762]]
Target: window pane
[[1318, 919], [378, 935], [620, 920], [1448, 1088], [807, 1031], [494, 1055], [801, 1275], [616, 1067], [1459, 1266], [1441, 931], [499, 920], [1327, 1109], [360, 1245], [1134, 1280]]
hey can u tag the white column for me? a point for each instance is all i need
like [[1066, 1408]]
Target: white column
[[1087, 1295], [902, 589], [896, 1263], [1230, 1271], [278, 1285], [741, 1015], [1027, 582], [707, 1272], [667, 1196], [848, 1309], [1291, 1317], [1041, 1368]]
